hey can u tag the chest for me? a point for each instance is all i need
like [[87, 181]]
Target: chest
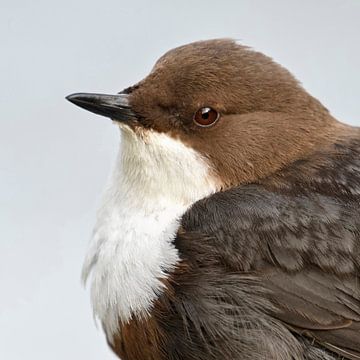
[[131, 252]]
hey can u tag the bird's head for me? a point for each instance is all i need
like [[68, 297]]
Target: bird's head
[[244, 114]]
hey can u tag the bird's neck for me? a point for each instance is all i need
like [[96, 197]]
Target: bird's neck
[[155, 180]]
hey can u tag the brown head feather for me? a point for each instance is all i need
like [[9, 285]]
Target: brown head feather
[[267, 119]]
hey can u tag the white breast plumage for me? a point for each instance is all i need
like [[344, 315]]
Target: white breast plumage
[[156, 178]]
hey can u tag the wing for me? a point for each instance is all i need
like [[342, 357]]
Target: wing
[[301, 240], [318, 305]]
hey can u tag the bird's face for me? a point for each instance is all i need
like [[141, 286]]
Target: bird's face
[[243, 113]]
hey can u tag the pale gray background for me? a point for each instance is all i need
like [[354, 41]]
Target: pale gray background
[[55, 158]]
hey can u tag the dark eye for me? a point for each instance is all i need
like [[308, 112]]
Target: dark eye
[[206, 116]]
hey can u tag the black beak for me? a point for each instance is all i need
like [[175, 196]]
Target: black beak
[[116, 107]]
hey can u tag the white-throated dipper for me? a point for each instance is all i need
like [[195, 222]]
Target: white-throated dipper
[[230, 228]]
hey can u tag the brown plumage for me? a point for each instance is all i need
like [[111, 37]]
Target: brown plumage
[[270, 263]]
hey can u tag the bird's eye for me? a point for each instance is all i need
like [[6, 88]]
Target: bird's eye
[[206, 116]]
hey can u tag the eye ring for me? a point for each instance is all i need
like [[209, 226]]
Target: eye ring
[[206, 117]]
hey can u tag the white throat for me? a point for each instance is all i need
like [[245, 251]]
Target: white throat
[[156, 178]]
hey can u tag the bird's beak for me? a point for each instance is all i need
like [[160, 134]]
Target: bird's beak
[[116, 107]]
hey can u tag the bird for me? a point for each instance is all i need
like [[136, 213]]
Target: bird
[[230, 226]]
